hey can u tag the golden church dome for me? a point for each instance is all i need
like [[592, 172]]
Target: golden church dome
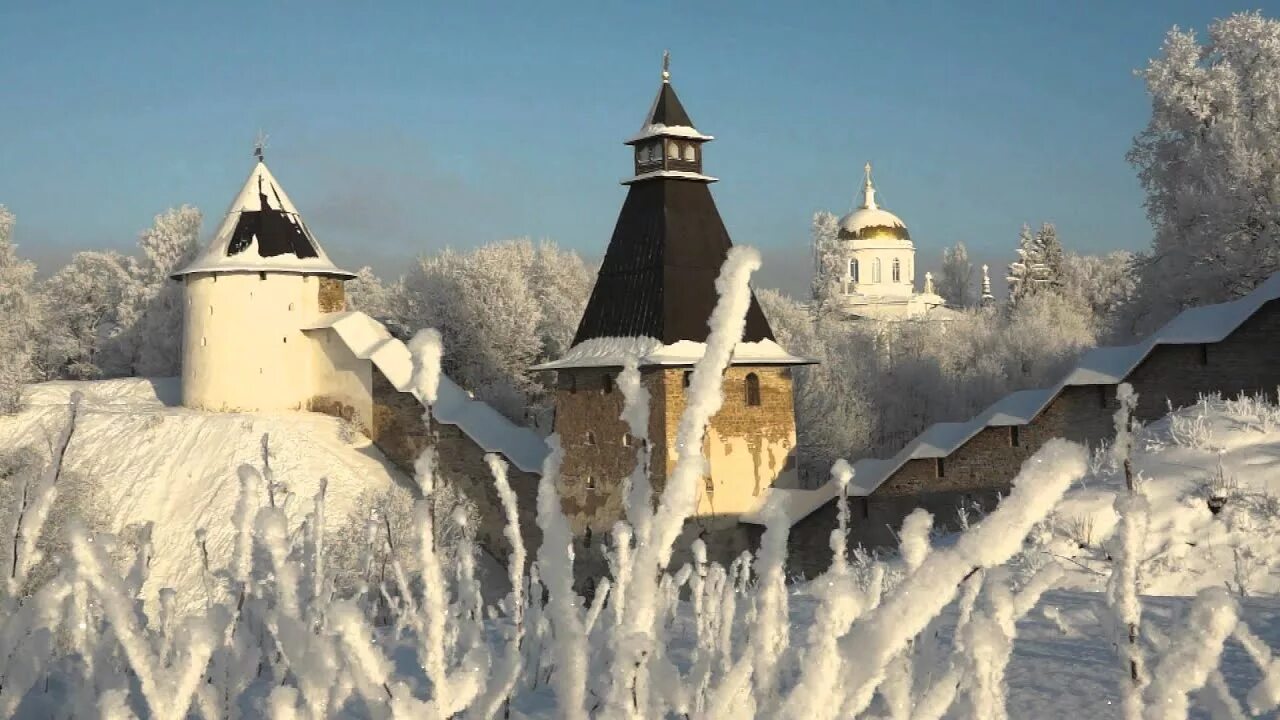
[[870, 221]]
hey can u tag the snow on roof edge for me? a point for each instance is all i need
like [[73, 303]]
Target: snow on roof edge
[[1198, 325], [616, 351], [368, 339]]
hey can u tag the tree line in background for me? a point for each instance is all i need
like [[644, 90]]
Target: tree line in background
[[1209, 161]]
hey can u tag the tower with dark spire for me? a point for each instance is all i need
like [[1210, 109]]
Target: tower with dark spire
[[653, 296]]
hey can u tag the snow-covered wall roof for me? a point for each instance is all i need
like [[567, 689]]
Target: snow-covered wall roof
[[1100, 366], [263, 232], [368, 339], [649, 352]]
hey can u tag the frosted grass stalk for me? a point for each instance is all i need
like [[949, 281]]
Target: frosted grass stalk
[[1265, 696], [638, 498], [871, 644], [1122, 586], [704, 398], [1192, 655], [770, 632], [555, 561], [841, 475], [679, 497]]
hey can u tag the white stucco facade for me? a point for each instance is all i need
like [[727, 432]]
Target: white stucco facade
[[243, 347], [877, 264]]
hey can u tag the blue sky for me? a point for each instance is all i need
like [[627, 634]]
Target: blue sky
[[402, 127]]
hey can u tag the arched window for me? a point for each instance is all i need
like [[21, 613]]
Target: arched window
[[689, 153], [875, 270], [688, 377], [753, 389], [897, 270], [572, 382], [656, 149], [853, 270], [591, 438], [644, 154], [673, 150]]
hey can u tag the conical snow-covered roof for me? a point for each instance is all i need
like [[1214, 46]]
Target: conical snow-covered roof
[[263, 232]]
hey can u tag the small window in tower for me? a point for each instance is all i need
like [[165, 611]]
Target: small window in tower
[[657, 151], [853, 270], [626, 440], [1204, 354], [897, 270], [1102, 396], [573, 384], [591, 438], [210, 310], [606, 383], [875, 270], [688, 377], [286, 340], [591, 482], [290, 307], [673, 150], [262, 276], [1014, 440], [642, 154], [204, 341], [753, 389], [689, 153], [940, 467]]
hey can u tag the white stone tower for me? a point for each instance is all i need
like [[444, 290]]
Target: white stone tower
[[249, 295]]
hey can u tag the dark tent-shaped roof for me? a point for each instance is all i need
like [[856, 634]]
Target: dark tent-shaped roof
[[658, 275]]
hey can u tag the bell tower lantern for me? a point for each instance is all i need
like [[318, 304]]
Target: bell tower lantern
[[668, 142]]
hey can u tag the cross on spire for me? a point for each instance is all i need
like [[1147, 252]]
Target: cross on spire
[[868, 189], [666, 66], [259, 145]]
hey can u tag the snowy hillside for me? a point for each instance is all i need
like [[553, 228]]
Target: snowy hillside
[[136, 458], [1220, 453]]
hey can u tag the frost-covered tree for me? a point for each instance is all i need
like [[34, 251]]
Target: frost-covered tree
[[501, 309], [1209, 161], [110, 315], [828, 262], [86, 303], [1102, 284], [1039, 264], [956, 282], [367, 293], [156, 322], [17, 318]]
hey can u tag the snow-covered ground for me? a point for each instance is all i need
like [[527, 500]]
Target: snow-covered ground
[[137, 457], [1229, 449]]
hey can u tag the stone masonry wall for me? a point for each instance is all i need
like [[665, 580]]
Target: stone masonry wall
[[398, 430], [333, 296], [1247, 361], [748, 446]]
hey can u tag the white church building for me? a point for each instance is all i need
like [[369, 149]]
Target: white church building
[[877, 260]]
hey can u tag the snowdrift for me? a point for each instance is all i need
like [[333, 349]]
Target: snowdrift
[[144, 460]]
